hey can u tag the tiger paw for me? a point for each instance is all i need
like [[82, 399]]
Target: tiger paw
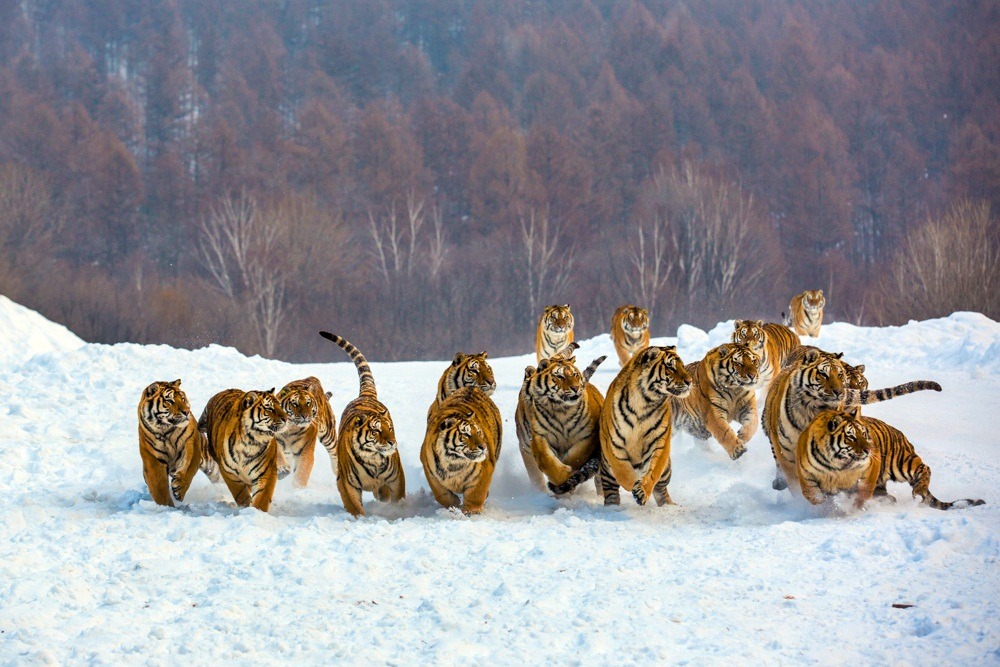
[[284, 471], [639, 493], [738, 451], [778, 484]]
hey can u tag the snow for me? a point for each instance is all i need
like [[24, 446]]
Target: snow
[[92, 571]]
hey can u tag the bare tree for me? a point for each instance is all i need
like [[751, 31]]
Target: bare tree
[[545, 265], [951, 263], [651, 263], [239, 247], [29, 217]]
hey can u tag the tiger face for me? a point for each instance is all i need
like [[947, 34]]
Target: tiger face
[[558, 319], [822, 380], [556, 380], [661, 372], [635, 320], [847, 440], [473, 370], [165, 404], [298, 405], [855, 376], [813, 300], [750, 333], [737, 365], [374, 433], [262, 412], [462, 438]]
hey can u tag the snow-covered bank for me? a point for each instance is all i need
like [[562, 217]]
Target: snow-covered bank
[[92, 571]]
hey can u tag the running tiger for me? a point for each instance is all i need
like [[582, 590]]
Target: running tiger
[[555, 331], [773, 342], [169, 442], [805, 312], [309, 417], [843, 451], [461, 448], [556, 420], [636, 425], [367, 458], [629, 331], [241, 428], [800, 392], [466, 370], [722, 391]]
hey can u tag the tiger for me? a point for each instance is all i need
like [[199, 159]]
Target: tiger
[[309, 417], [461, 448], [799, 392], [722, 391], [843, 451], [629, 331], [556, 420], [466, 370], [170, 444], [555, 331], [805, 312], [241, 427], [773, 342], [367, 455], [636, 425]]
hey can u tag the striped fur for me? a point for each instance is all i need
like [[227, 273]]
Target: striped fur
[[722, 391], [636, 425], [555, 331], [773, 342], [556, 420], [800, 392], [629, 331], [843, 451], [367, 457], [241, 428], [805, 312], [169, 442], [461, 448], [309, 417], [466, 370]]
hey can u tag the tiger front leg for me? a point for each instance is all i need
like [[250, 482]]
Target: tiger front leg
[[185, 470], [474, 499], [868, 483], [263, 489], [620, 474], [660, 492], [155, 474], [658, 465], [303, 466], [351, 497], [283, 466], [444, 496], [240, 491], [557, 471], [535, 475], [748, 419], [724, 434]]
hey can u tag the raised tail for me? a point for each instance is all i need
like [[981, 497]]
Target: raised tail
[[588, 470], [364, 371], [588, 372], [864, 397]]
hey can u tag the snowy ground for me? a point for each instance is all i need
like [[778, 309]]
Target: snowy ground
[[91, 571]]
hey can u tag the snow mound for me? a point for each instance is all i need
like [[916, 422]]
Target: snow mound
[[24, 333]]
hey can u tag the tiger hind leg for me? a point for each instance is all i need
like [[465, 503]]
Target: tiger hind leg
[[660, 493]]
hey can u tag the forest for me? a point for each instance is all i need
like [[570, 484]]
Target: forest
[[424, 176]]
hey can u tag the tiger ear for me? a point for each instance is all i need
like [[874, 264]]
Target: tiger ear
[[446, 423], [820, 292], [484, 354], [737, 324], [544, 363], [759, 323], [854, 412], [837, 355], [834, 422], [250, 397], [458, 359], [724, 349], [329, 394], [151, 389], [645, 311], [176, 383], [566, 306], [649, 355], [810, 356], [359, 420], [528, 371], [860, 368]]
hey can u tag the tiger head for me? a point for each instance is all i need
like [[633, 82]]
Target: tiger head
[[855, 376], [557, 319], [635, 320], [460, 437], [733, 365], [845, 437], [556, 380], [262, 412], [373, 432], [660, 371], [821, 378], [472, 370], [298, 405], [813, 300], [750, 332], [164, 404]]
